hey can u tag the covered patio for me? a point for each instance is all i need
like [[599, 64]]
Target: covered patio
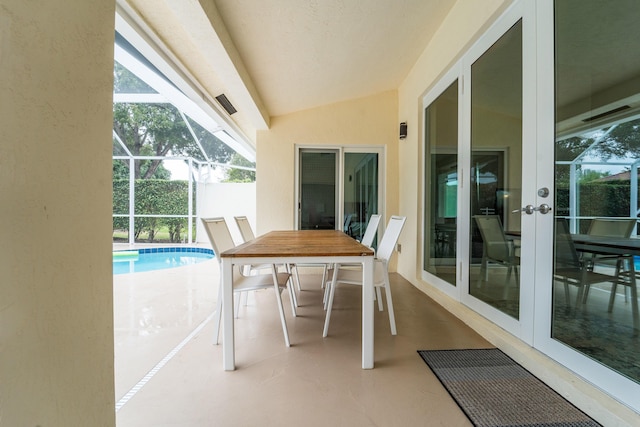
[[75, 345], [168, 372]]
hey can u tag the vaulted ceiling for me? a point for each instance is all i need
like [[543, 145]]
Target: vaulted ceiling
[[280, 56]]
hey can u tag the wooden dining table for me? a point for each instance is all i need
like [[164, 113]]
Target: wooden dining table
[[298, 247]]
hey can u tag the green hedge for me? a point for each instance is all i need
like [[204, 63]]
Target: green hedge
[[597, 199], [153, 197]]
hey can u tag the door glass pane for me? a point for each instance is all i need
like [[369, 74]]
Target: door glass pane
[[496, 168], [360, 192], [441, 185], [317, 190], [597, 153]]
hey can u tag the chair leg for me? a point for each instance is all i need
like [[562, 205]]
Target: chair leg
[[567, 296], [326, 285], [237, 303], [218, 316], [292, 297], [484, 273], [280, 309], [392, 316], [378, 296], [612, 297], [324, 274], [585, 295], [332, 289], [245, 298], [294, 268]]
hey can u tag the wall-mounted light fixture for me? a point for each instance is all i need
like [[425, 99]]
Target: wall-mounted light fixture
[[403, 130]]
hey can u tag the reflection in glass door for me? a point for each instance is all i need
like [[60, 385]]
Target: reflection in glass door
[[360, 192], [317, 198], [597, 155], [441, 185], [496, 170]]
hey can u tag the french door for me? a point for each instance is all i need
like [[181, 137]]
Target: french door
[[531, 136], [590, 129], [478, 242]]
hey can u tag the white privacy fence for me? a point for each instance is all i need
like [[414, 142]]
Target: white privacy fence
[[225, 200]]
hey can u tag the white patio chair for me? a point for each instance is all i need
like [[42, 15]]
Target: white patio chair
[[372, 229], [221, 240], [611, 227], [572, 270], [497, 249], [246, 232], [380, 275], [247, 235], [367, 240]]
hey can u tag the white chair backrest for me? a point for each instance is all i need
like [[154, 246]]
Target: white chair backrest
[[565, 250], [612, 227], [372, 229], [496, 245], [219, 235], [245, 228], [390, 238], [347, 222]]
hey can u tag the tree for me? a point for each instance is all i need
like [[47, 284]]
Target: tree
[[120, 171], [240, 175], [590, 175], [150, 130], [157, 130]]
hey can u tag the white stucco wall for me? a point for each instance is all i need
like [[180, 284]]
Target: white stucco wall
[[56, 289]]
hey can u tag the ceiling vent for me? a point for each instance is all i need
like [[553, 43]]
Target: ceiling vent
[[606, 113], [226, 104]]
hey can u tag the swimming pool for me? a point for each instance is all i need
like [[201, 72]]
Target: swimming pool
[[139, 260]]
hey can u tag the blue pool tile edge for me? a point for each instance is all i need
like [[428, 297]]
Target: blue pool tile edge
[[172, 249]]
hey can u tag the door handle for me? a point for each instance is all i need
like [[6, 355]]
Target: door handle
[[543, 209], [530, 209]]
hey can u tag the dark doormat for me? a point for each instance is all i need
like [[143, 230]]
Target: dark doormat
[[493, 390]]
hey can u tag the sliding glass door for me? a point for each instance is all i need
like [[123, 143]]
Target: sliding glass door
[[360, 191], [338, 189], [318, 203]]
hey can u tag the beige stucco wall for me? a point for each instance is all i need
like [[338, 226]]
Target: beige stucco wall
[[370, 122], [462, 27], [56, 299]]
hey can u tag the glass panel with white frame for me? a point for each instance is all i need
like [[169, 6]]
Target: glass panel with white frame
[[441, 185], [360, 192], [338, 182], [317, 204], [597, 153], [496, 173]]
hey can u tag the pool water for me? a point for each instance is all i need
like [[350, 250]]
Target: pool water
[[126, 262]]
